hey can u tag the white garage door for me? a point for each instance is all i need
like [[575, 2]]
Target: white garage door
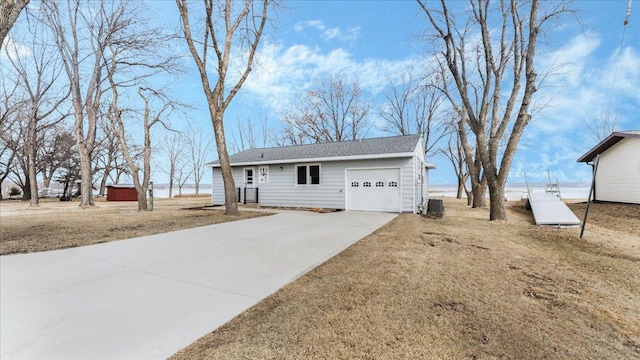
[[373, 190]]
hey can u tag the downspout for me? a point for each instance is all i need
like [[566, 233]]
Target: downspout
[[593, 169]]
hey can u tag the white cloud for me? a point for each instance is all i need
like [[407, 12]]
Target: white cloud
[[328, 34], [281, 73], [13, 50], [578, 92]]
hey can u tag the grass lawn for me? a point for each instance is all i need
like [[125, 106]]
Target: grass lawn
[[58, 225], [461, 287]]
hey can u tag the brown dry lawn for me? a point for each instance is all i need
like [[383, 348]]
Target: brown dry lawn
[[58, 225], [461, 287]]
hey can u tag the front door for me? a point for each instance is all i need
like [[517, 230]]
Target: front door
[[248, 177]]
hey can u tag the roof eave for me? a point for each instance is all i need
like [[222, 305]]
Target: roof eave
[[605, 144], [320, 159]]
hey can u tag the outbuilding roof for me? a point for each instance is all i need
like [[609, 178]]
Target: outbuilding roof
[[385, 147], [605, 144]]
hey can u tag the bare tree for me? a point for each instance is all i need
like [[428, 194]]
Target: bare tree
[[82, 32], [132, 59], [335, 110], [174, 145], [248, 137], [150, 118], [37, 75], [415, 107], [182, 174], [107, 156], [9, 12], [502, 63], [57, 143], [465, 139], [10, 108], [454, 152], [601, 126], [228, 26], [198, 146]]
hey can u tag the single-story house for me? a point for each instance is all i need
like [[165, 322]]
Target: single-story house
[[386, 174], [618, 174], [121, 192]]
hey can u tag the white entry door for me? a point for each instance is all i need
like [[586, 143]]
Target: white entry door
[[374, 190]]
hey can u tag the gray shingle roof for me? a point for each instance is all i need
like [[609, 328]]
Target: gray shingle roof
[[383, 147]]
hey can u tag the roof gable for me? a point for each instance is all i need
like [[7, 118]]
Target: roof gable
[[605, 144], [394, 146]]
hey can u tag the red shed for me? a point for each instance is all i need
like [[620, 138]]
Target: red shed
[[121, 193]]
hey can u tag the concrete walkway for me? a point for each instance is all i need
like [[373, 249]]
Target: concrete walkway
[[148, 297]]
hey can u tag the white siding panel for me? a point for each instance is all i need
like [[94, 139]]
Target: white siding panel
[[618, 177], [217, 186]]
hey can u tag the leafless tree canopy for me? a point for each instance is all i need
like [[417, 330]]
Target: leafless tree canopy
[[82, 33], [335, 110], [601, 126], [489, 52], [414, 106]]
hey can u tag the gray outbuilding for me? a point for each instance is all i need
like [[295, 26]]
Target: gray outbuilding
[[388, 174], [618, 175]]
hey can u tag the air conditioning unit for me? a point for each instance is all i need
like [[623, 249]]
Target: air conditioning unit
[[435, 209], [435, 206]]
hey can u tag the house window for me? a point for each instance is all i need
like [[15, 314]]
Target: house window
[[354, 184], [314, 174], [393, 184], [366, 184], [308, 174], [379, 184], [302, 175]]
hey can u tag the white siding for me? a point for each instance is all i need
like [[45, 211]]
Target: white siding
[[282, 191], [618, 177], [421, 179]]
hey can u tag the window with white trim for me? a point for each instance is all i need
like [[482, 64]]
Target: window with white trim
[[354, 184], [379, 184], [393, 184], [308, 174], [366, 184]]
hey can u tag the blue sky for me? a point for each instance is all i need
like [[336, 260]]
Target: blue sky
[[376, 39]]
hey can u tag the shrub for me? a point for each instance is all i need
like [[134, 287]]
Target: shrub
[[14, 191]]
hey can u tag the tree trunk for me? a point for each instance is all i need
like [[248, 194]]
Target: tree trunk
[[479, 191], [103, 183], [86, 185], [142, 201], [142, 197], [26, 188], [496, 201], [9, 12], [230, 203], [31, 162], [460, 188]]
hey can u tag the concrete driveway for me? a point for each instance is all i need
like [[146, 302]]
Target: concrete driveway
[[148, 297]]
